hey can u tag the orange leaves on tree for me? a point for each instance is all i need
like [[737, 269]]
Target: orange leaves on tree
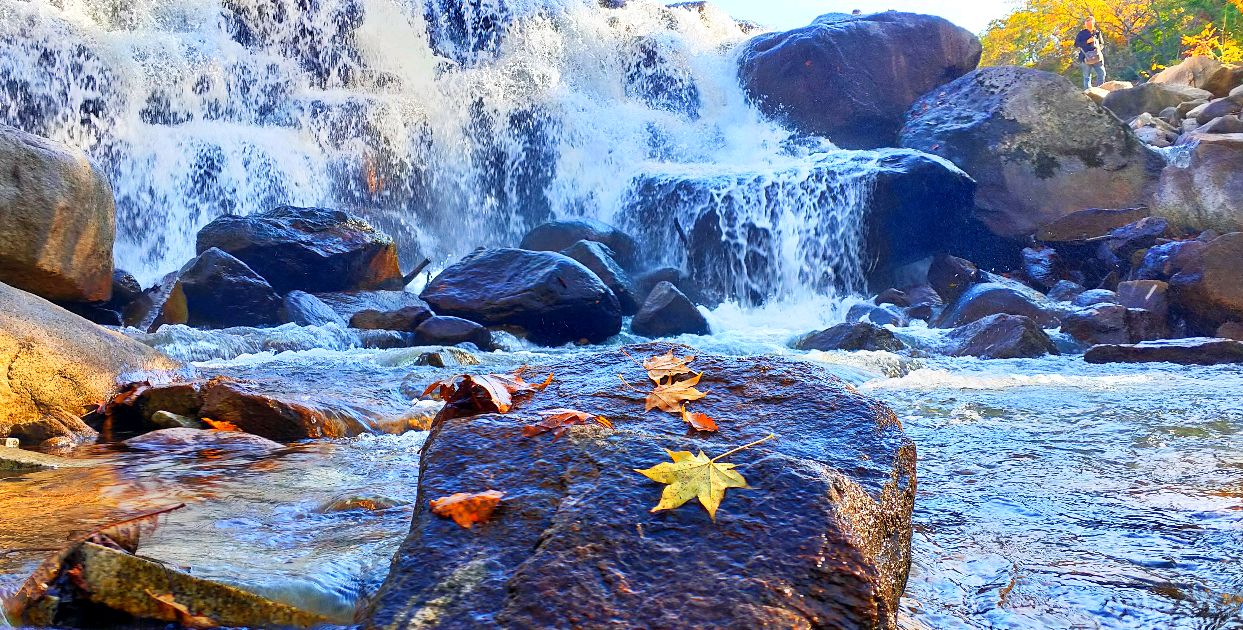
[[468, 394], [670, 396], [558, 421], [222, 425], [698, 421], [467, 508]]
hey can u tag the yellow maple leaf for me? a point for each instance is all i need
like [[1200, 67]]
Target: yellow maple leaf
[[670, 396], [696, 477]]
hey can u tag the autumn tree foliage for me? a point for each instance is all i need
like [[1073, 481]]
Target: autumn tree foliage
[[1141, 36]]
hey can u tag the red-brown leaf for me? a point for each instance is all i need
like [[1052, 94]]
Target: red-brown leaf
[[467, 508], [558, 421], [699, 421]]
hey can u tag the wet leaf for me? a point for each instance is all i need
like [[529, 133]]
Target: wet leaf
[[698, 421], [468, 394], [559, 420], [222, 425], [186, 619], [666, 366], [670, 396], [696, 477], [466, 508]]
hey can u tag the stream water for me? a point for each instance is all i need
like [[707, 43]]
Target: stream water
[[1052, 493]]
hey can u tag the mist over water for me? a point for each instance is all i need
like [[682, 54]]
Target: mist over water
[[451, 125]]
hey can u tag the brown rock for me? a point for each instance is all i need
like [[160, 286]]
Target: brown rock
[[1206, 192], [851, 336], [1209, 290], [1000, 337], [57, 220], [1204, 73], [1231, 330], [405, 319], [991, 298], [283, 416], [1149, 295], [1086, 224], [56, 366], [1197, 351], [951, 276], [822, 541]]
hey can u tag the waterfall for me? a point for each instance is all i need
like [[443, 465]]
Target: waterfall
[[451, 124]]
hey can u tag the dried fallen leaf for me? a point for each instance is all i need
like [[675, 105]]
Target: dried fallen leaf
[[468, 394], [466, 508], [183, 616], [695, 476], [222, 425], [670, 396], [559, 420], [698, 421], [666, 366]]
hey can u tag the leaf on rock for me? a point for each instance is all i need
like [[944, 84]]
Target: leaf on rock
[[696, 477], [698, 421], [558, 421], [222, 425], [466, 508], [469, 394], [666, 366], [670, 396], [168, 604], [693, 476]]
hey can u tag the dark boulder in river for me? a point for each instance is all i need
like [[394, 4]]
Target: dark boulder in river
[[851, 78], [667, 313], [998, 296], [556, 236], [1208, 290], [309, 249], [1037, 146], [602, 261], [1193, 351], [554, 299], [821, 539], [450, 331], [1000, 336], [221, 291], [851, 336]]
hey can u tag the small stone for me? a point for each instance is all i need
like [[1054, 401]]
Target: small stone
[[12, 443]]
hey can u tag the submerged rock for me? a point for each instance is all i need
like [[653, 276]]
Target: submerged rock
[[553, 298], [668, 313], [200, 438], [573, 543], [1193, 351], [308, 249], [1001, 336], [851, 336], [851, 78], [1038, 148], [282, 416], [56, 366], [57, 220]]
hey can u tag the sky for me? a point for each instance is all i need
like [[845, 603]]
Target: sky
[[973, 15]]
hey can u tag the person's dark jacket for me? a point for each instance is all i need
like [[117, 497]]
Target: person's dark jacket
[[1081, 42]]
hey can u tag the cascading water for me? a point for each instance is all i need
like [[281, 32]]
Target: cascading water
[[450, 125]]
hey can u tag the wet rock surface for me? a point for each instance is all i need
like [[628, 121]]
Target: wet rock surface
[[554, 299], [221, 291], [449, 331], [55, 366], [1000, 336], [309, 249], [851, 78], [1191, 351], [851, 336], [667, 312], [990, 298], [556, 236], [283, 416], [602, 261], [821, 539]]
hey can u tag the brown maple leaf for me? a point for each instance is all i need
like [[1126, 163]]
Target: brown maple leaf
[[670, 396], [698, 421], [467, 508], [471, 394], [666, 366], [558, 421]]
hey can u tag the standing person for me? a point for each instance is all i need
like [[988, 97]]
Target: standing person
[[1091, 54]]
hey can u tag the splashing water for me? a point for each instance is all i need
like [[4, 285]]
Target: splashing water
[[451, 125]]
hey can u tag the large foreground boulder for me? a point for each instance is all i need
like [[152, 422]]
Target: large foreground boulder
[[1205, 192], [57, 220], [822, 539], [554, 299], [1037, 147], [851, 78], [309, 249], [56, 366]]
